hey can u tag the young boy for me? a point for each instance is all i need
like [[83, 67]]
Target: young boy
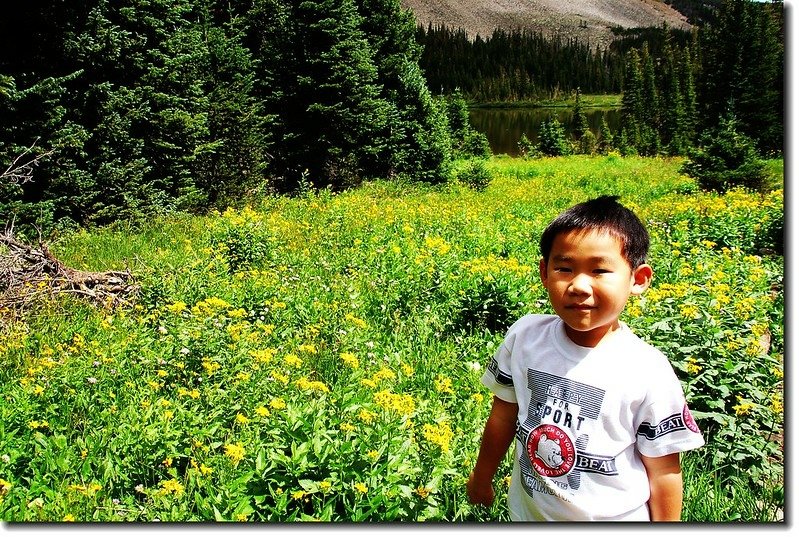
[[598, 415]]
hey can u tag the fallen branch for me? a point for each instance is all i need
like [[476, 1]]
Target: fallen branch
[[27, 272]]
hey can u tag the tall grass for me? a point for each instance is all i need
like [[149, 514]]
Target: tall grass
[[318, 357]]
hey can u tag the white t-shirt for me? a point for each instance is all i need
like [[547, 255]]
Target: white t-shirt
[[585, 414]]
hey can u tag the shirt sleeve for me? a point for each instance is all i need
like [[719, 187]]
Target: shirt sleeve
[[497, 376], [665, 423]]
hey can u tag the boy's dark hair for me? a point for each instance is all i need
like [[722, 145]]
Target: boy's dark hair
[[604, 213]]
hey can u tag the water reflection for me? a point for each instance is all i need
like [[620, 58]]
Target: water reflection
[[504, 126]]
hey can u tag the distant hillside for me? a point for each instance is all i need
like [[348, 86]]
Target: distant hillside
[[590, 20]]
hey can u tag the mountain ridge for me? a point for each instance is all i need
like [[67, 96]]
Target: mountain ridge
[[590, 21]]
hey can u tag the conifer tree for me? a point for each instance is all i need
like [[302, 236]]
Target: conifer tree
[[742, 64], [605, 140], [632, 102], [320, 83], [417, 141], [234, 157]]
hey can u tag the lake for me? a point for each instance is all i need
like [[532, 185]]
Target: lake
[[504, 126]]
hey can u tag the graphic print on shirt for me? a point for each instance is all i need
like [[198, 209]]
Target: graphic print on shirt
[[551, 433]]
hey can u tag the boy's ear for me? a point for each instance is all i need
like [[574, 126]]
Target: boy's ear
[[642, 277], [542, 270]]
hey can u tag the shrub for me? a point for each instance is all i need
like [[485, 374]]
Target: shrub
[[475, 175], [726, 158], [526, 146], [475, 144], [552, 139]]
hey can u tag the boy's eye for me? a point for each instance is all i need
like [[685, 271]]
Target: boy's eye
[[562, 269], [601, 271]]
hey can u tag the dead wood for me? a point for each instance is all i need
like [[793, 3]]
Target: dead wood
[[28, 272]]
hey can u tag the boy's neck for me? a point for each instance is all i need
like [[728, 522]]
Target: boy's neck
[[592, 338]]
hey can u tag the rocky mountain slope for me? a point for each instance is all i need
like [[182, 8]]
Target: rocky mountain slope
[[589, 20]]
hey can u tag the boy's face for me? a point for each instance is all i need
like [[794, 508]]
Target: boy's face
[[589, 282]]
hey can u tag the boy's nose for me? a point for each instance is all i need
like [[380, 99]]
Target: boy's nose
[[580, 285]]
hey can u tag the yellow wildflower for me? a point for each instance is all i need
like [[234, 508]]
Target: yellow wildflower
[[423, 492], [36, 424], [171, 486], [366, 416], [325, 485], [280, 377], [5, 487], [743, 407], [277, 403], [235, 452], [360, 323], [361, 487], [439, 434], [401, 404], [350, 360], [776, 403], [693, 366], [307, 348], [383, 374], [292, 360], [312, 385], [369, 383], [242, 376], [177, 307], [241, 419], [263, 356], [69, 517], [262, 411], [443, 384]]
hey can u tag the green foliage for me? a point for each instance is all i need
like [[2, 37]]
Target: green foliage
[[155, 107], [475, 144], [747, 74], [474, 174], [526, 147], [726, 158], [318, 357], [418, 140], [552, 140], [466, 141]]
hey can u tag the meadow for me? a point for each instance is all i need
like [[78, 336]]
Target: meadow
[[318, 357]]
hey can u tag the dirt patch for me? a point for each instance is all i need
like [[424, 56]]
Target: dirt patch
[[587, 20]]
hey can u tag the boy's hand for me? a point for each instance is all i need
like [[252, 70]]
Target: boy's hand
[[480, 493]]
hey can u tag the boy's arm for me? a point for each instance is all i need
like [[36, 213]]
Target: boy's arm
[[498, 435], [665, 485]]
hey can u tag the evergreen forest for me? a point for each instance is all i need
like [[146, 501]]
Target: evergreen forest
[[122, 110]]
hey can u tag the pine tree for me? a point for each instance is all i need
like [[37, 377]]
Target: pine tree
[[552, 139], [233, 159], [605, 141], [320, 83], [744, 71], [632, 102], [650, 117], [417, 141], [581, 128]]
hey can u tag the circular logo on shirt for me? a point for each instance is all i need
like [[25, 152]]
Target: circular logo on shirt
[[551, 450], [689, 419]]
